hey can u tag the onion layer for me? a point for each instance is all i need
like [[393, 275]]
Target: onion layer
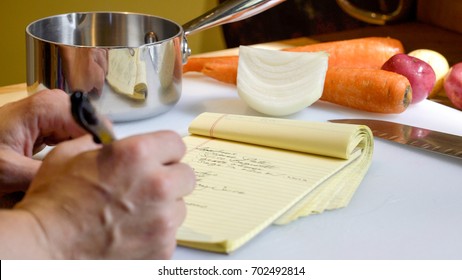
[[280, 83]]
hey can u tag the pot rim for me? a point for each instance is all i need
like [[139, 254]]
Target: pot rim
[[29, 33]]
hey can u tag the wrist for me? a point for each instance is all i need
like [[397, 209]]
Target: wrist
[[22, 237]]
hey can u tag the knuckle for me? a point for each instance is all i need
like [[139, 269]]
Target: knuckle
[[46, 98], [132, 152], [170, 182], [161, 185], [173, 139], [165, 251], [162, 235], [166, 224], [168, 250]]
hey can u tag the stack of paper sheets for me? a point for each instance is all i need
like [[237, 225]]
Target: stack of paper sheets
[[255, 171]]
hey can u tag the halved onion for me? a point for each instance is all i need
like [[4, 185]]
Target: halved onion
[[280, 83]]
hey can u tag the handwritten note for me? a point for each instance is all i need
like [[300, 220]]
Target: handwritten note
[[242, 188]]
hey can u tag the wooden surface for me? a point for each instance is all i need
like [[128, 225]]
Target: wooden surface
[[12, 93], [442, 13]]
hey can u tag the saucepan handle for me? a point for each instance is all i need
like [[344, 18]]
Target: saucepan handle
[[229, 11]]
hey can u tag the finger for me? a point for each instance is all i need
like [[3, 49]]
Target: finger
[[169, 183], [165, 247], [54, 122], [181, 211], [165, 242], [62, 152], [18, 172], [183, 179], [165, 147]]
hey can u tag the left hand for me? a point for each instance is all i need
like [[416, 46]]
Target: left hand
[[26, 126]]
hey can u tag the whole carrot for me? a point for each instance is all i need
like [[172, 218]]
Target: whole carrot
[[371, 90], [369, 52]]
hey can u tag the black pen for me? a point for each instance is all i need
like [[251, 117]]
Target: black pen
[[86, 116]]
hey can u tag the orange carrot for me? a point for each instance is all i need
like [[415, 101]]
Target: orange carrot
[[371, 90], [370, 52], [224, 72], [196, 64], [221, 68]]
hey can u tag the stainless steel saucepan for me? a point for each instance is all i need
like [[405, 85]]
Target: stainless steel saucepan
[[130, 64]]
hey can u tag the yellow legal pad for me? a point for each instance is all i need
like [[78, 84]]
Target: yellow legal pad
[[256, 171]]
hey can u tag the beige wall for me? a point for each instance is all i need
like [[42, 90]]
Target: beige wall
[[16, 14]]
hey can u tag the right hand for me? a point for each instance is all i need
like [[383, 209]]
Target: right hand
[[124, 200]]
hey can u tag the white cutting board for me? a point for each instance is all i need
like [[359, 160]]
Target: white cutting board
[[409, 205]]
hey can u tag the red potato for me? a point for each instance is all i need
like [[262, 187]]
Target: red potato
[[453, 85], [419, 73]]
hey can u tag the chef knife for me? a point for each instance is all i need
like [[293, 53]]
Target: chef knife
[[426, 139]]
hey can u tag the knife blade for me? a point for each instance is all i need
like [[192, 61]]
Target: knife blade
[[422, 138]]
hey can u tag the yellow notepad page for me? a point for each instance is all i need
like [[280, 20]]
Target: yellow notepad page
[[242, 188]]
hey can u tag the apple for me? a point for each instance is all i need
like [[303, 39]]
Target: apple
[[453, 85], [419, 73]]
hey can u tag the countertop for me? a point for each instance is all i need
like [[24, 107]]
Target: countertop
[[408, 206]]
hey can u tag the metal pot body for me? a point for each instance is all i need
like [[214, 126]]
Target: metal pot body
[[130, 64]]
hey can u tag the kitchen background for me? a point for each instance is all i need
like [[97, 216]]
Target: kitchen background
[[292, 18], [17, 14]]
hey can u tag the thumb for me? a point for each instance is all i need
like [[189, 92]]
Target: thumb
[[62, 152], [16, 170]]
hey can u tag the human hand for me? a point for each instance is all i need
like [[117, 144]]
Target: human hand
[[123, 200], [26, 126]]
